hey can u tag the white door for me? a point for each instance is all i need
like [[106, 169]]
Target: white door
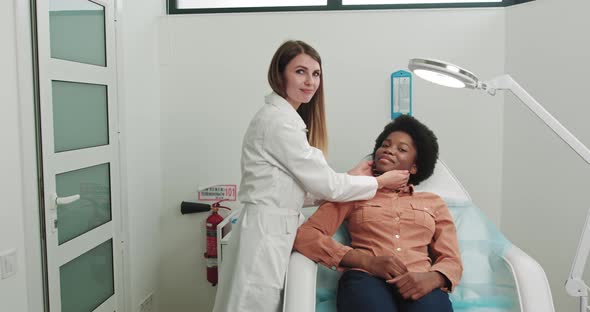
[[79, 134]]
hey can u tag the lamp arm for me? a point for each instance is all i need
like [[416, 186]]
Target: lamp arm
[[505, 82], [575, 286]]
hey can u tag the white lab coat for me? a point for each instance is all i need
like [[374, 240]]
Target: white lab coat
[[278, 167]]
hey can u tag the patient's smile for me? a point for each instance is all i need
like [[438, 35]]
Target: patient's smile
[[384, 158], [397, 152]]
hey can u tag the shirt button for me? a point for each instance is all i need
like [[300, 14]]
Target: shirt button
[[397, 219], [333, 268], [398, 249], [396, 235], [425, 208]]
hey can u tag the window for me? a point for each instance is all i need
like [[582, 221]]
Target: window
[[221, 6], [349, 2], [207, 4]]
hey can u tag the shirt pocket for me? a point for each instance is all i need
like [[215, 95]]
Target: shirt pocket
[[370, 211], [280, 225], [424, 216]]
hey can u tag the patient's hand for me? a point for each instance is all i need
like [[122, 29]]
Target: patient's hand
[[415, 285], [385, 267], [364, 168]]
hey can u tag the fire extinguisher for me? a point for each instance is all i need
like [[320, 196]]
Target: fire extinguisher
[[211, 254]]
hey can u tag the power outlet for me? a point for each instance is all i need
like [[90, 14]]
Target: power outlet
[[7, 263], [147, 305]]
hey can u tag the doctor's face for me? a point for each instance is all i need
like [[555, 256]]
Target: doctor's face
[[397, 152], [302, 77]]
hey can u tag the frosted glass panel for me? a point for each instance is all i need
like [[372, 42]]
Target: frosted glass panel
[[80, 115], [77, 31], [94, 206], [87, 281]]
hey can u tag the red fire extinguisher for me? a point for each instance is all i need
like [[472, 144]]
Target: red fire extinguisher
[[211, 254]]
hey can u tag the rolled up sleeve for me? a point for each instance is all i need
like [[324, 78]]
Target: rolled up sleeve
[[314, 238], [444, 247]]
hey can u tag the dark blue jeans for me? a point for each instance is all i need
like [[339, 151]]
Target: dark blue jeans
[[361, 292]]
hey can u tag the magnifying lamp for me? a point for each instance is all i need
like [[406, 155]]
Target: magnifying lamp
[[447, 74]]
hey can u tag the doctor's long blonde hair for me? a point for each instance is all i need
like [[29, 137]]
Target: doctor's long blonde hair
[[312, 113]]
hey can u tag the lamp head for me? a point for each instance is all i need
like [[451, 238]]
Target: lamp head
[[443, 73]]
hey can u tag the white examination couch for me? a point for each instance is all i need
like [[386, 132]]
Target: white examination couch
[[528, 289]]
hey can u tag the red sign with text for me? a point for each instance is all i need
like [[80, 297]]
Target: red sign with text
[[227, 192]]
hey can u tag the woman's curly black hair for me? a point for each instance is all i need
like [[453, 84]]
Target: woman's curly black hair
[[425, 142]]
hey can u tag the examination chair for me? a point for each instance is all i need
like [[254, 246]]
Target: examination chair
[[497, 276]]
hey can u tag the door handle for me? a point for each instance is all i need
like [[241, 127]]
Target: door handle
[[60, 201], [66, 200]]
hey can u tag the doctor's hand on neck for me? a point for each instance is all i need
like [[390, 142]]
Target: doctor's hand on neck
[[364, 168], [393, 180]]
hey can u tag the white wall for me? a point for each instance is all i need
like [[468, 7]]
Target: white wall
[[13, 292], [139, 98], [213, 78], [545, 184]]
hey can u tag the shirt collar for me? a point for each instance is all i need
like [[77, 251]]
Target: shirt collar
[[282, 104], [279, 101], [409, 191]]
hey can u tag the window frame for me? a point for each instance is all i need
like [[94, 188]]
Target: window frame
[[336, 5]]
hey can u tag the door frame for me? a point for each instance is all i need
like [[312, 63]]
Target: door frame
[[27, 99]]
